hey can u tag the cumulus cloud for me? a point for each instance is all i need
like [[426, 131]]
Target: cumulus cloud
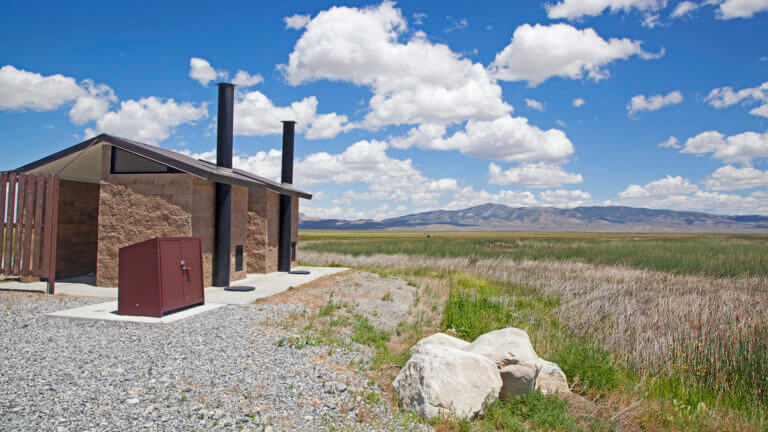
[[367, 162], [415, 81], [243, 79], [666, 186], [509, 139], [537, 53], [296, 22], [149, 119], [671, 142], [640, 103], [684, 8], [264, 163], [94, 105], [732, 178], [534, 104], [468, 197], [20, 90], [562, 198], [723, 97], [202, 71], [678, 193], [730, 9], [574, 9], [533, 175], [741, 148], [256, 115], [578, 102]]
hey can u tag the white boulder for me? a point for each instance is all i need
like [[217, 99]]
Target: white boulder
[[439, 339], [511, 350], [552, 379], [441, 380]]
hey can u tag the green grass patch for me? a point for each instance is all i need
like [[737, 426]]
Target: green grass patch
[[532, 411]]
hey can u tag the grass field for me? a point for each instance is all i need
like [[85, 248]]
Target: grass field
[[666, 332], [702, 254]]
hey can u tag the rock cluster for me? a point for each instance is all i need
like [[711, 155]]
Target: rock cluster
[[449, 376]]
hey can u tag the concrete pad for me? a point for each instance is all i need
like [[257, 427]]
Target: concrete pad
[[264, 285], [107, 311], [267, 284]]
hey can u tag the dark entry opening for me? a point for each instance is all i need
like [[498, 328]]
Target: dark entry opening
[[238, 257]]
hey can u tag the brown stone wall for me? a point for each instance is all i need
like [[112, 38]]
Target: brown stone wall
[[239, 230], [138, 207], [257, 244], [203, 219], [77, 232]]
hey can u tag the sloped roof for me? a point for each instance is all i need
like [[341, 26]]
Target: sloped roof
[[197, 167]]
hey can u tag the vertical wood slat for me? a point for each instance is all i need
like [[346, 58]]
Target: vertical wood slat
[[45, 260], [3, 189], [8, 250], [54, 227], [18, 223], [29, 210], [38, 222]]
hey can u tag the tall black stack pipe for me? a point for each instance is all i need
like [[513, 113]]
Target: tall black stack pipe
[[223, 230], [286, 177]]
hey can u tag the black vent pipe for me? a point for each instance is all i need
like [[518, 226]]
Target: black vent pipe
[[223, 227], [286, 201]]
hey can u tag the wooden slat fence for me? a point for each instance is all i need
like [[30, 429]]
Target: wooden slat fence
[[28, 221]]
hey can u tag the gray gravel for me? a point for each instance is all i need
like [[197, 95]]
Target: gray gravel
[[220, 370]]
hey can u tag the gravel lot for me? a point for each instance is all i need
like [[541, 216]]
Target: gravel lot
[[220, 370]]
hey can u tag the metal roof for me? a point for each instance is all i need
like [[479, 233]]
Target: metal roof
[[197, 167]]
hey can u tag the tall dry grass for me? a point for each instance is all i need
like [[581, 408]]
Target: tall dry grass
[[713, 330]]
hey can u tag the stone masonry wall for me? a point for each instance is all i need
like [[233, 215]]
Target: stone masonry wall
[[77, 232], [138, 207], [239, 230], [264, 228], [203, 219]]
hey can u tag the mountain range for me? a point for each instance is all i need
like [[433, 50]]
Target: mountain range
[[498, 217]]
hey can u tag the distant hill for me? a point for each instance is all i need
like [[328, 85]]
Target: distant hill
[[498, 217]]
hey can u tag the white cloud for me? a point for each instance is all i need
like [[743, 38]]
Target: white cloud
[[456, 24], [651, 20], [741, 148], [412, 82], [367, 162], [539, 52], [672, 142], [149, 119], [534, 104], [468, 197], [533, 175], [574, 9], [255, 114], [20, 90], [684, 8], [652, 103], [730, 9], [244, 79], [93, 106], [732, 178], [666, 186], [679, 194], [578, 102], [565, 198], [296, 22], [264, 163], [723, 97], [202, 71], [418, 18], [506, 138]]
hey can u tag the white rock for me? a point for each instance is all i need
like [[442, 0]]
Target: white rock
[[440, 339], [511, 350], [551, 379], [442, 380]]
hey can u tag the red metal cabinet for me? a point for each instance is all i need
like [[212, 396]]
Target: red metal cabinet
[[160, 275]]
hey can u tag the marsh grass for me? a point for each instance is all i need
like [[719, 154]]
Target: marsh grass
[[703, 254]]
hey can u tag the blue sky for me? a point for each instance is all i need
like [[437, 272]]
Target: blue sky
[[405, 107]]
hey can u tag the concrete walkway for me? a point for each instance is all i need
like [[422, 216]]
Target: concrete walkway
[[264, 285]]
